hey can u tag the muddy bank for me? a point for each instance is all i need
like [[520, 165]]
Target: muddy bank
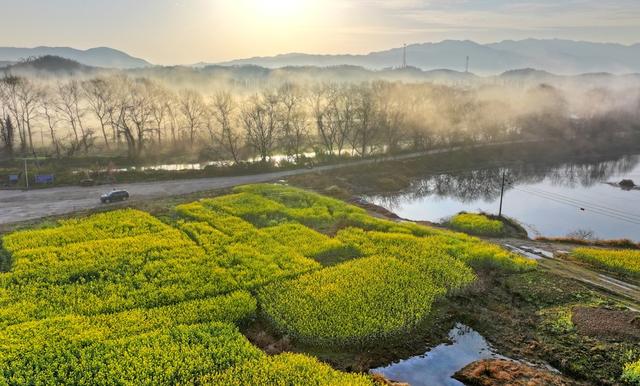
[[497, 372], [607, 324]]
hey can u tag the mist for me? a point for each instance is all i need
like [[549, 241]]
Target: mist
[[57, 108]]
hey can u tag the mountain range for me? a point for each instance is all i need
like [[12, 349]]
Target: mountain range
[[96, 57], [558, 56], [552, 55]]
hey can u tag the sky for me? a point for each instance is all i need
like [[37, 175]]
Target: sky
[[190, 31]]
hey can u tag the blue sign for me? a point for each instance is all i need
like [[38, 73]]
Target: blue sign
[[13, 178], [44, 178]]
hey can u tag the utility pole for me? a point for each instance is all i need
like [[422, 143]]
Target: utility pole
[[467, 66], [504, 174], [26, 174]]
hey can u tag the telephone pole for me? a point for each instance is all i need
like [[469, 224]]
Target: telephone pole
[[26, 174], [504, 175], [467, 66]]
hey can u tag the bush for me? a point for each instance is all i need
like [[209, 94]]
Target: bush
[[477, 224], [631, 373]]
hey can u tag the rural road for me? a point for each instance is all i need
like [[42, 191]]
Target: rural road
[[18, 205], [626, 292]]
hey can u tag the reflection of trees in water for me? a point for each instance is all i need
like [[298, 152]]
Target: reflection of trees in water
[[485, 183]]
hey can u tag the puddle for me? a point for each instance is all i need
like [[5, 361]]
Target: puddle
[[437, 366]]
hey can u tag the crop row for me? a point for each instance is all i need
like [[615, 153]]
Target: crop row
[[167, 356], [435, 250], [623, 261], [122, 297], [353, 303], [284, 369], [477, 224], [108, 225]]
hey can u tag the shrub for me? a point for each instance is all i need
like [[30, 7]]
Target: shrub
[[631, 373], [477, 224], [625, 261]]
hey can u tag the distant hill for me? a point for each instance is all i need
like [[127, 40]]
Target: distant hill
[[95, 57], [54, 65], [557, 56]]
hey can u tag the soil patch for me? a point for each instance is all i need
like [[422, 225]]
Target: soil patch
[[607, 324], [504, 372]]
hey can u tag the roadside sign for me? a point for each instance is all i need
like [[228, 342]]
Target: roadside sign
[[44, 178]]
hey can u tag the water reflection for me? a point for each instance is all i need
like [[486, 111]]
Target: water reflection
[[548, 200], [438, 365]]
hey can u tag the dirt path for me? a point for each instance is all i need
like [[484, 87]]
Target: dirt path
[[625, 292], [17, 205]]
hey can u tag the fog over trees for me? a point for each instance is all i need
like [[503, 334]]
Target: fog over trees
[[137, 114]]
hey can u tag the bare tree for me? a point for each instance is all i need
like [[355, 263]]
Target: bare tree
[[364, 133], [69, 106], [222, 108], [10, 89], [260, 119], [193, 110], [7, 133], [49, 111], [137, 115], [160, 106], [390, 115], [322, 102], [99, 95], [294, 123]]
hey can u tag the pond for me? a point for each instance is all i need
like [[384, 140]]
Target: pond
[[567, 199], [438, 365]]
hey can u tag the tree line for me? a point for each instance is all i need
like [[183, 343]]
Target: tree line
[[118, 113]]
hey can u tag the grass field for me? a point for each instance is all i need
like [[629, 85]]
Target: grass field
[[124, 297]]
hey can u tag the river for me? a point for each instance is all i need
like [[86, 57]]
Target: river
[[559, 200]]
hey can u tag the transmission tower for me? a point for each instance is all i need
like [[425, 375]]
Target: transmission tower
[[404, 56]]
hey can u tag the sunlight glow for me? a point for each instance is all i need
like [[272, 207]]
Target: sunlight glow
[[280, 9]]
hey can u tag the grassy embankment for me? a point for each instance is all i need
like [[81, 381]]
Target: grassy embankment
[[123, 296]]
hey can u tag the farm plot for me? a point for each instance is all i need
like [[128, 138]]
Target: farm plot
[[123, 297], [622, 261]]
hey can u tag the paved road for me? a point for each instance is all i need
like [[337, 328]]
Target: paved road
[[17, 205]]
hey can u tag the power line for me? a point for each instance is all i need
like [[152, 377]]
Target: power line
[[591, 210], [578, 201], [581, 205], [632, 220]]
